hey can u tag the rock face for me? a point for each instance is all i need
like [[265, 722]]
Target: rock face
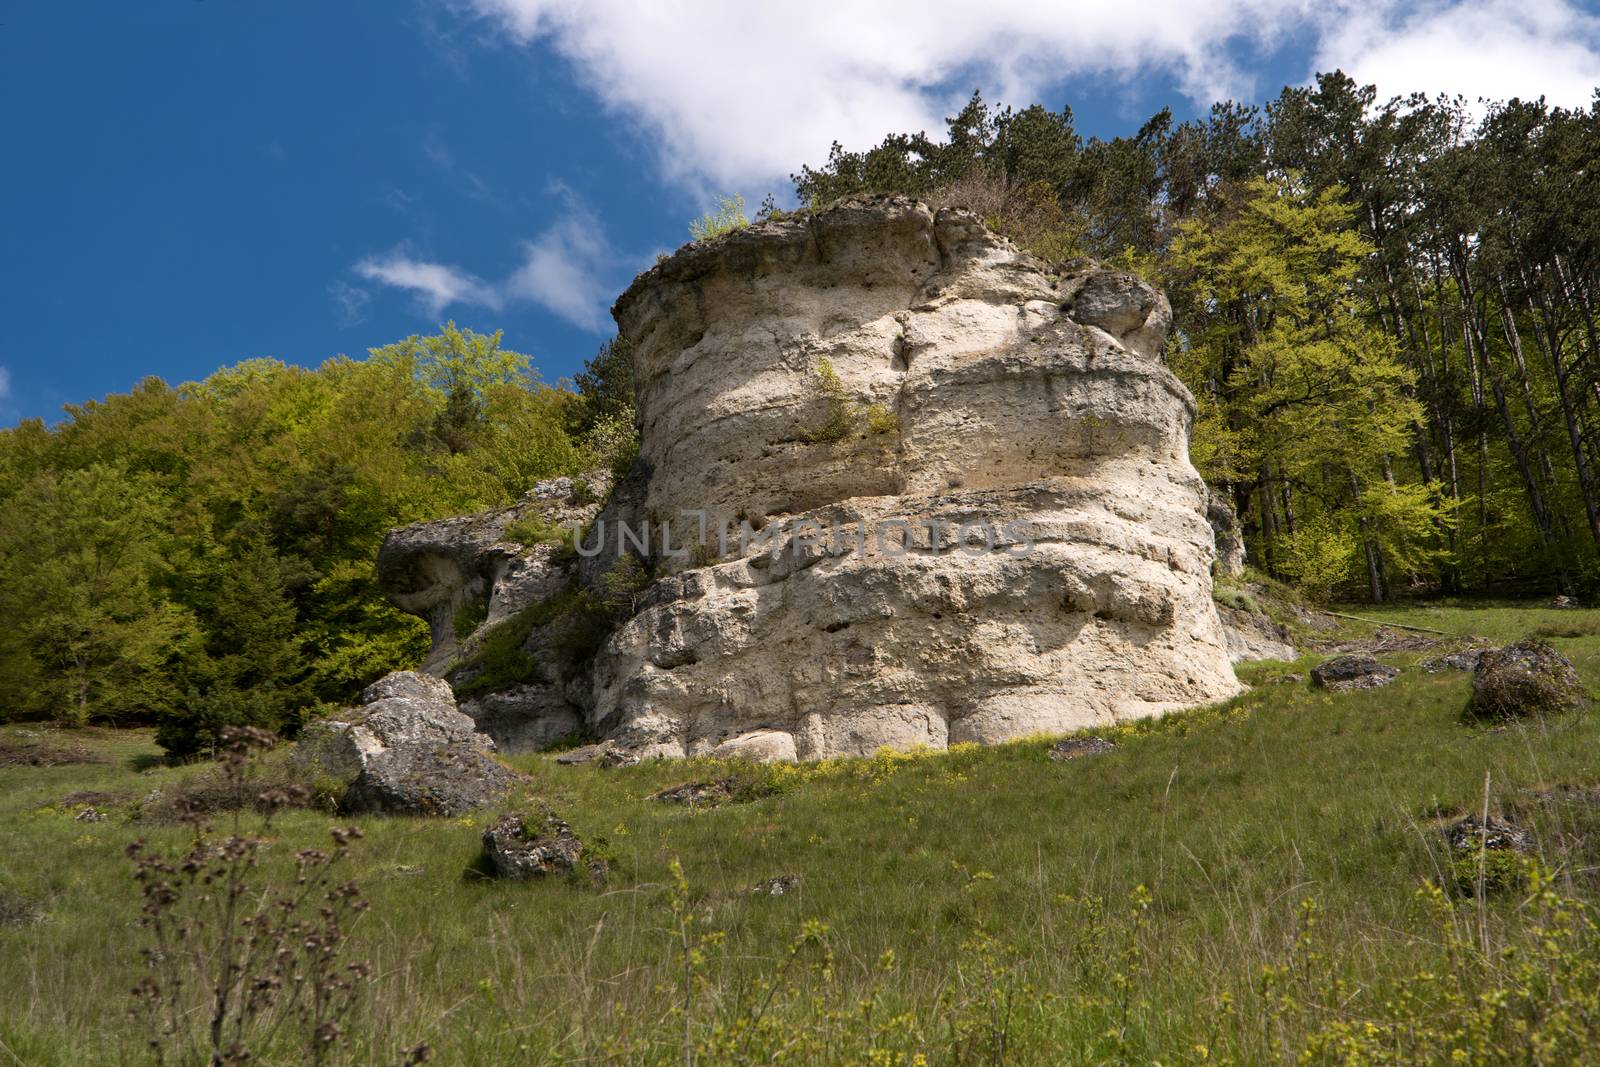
[[474, 569], [1036, 556], [1525, 679], [1250, 636], [1346, 674], [405, 751], [1226, 534]]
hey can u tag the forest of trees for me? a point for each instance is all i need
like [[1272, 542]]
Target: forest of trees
[[1386, 310], [205, 555]]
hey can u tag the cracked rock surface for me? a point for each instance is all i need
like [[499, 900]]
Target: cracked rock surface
[[1016, 416]]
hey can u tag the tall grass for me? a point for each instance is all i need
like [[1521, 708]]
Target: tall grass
[[1255, 883]]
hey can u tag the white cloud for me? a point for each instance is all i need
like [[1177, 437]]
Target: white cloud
[[5, 383], [435, 284], [566, 269], [738, 94], [1487, 48], [569, 270]]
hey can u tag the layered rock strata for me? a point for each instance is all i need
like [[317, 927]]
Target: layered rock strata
[[963, 479]]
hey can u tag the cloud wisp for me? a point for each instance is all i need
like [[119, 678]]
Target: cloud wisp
[[736, 94], [569, 270]]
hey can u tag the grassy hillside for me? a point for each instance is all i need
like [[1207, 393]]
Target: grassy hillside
[[1251, 883]]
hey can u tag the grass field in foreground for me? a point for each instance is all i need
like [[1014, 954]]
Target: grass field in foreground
[[1254, 883]]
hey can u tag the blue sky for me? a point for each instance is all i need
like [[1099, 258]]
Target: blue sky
[[189, 183]]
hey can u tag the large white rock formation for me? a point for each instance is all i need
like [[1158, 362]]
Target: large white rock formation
[[878, 363]]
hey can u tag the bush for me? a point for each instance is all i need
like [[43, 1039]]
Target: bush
[[468, 617]]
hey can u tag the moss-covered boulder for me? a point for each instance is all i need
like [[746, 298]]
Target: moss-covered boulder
[[1524, 680]]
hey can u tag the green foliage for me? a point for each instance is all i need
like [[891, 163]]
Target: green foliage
[[1304, 398], [842, 416], [605, 386], [252, 672], [468, 617], [534, 529], [205, 555], [613, 442], [728, 217], [82, 566]]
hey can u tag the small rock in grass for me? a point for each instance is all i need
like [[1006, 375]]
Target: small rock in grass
[[1464, 659], [519, 851], [697, 794], [1075, 747], [1495, 834], [617, 757], [1287, 679], [777, 886], [1345, 674], [17, 910], [1526, 679], [583, 754], [90, 815]]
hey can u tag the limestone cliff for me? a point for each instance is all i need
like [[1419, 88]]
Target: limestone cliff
[[1003, 432]]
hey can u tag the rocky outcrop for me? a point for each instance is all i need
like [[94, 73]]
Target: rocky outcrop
[[1006, 435], [898, 484], [1251, 636], [476, 572], [1225, 534], [474, 567]]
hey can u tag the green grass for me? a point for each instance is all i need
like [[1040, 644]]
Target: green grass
[[1127, 908]]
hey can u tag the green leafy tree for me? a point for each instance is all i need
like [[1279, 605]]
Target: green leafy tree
[[254, 667], [93, 637], [1304, 401]]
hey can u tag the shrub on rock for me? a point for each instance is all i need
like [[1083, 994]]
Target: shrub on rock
[[519, 851], [1523, 680]]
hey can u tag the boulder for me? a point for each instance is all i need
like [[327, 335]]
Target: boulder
[[1013, 539], [1527, 679], [762, 746], [518, 851], [406, 751], [1344, 674], [404, 709], [434, 780]]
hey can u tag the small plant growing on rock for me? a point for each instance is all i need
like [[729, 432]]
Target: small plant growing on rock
[[728, 217], [842, 416], [245, 966], [468, 617]]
